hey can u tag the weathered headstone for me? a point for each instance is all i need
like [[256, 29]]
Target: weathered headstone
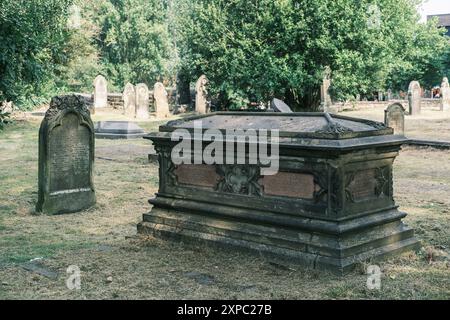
[[66, 157], [278, 105], [414, 98], [142, 101], [100, 92], [394, 117], [129, 100], [325, 97], [201, 103], [161, 102], [445, 95]]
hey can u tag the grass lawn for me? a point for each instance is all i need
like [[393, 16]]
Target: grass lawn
[[430, 124], [116, 265]]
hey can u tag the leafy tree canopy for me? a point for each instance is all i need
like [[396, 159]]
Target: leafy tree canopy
[[254, 50]]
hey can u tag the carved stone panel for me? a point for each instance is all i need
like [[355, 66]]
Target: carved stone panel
[[289, 184], [197, 175]]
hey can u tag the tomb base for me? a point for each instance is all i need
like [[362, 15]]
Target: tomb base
[[338, 247]]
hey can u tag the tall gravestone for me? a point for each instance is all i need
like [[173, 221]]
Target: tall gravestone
[[445, 95], [414, 98], [66, 157], [129, 100], [325, 97], [100, 92], [394, 117], [142, 101], [161, 101], [389, 95], [201, 103]]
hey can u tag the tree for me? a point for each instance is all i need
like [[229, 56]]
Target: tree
[[79, 62], [134, 41], [32, 35], [254, 50]]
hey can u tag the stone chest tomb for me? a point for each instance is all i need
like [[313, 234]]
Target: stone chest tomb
[[330, 205], [66, 156]]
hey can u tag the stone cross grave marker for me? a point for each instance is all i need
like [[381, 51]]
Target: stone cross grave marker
[[324, 89]]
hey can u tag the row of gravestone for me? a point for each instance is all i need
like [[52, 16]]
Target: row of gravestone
[[136, 98], [414, 94], [415, 97]]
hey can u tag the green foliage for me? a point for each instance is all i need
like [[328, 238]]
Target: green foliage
[[134, 41], [31, 37], [251, 50], [254, 50], [80, 62]]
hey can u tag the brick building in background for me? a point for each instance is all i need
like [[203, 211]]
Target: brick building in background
[[444, 21]]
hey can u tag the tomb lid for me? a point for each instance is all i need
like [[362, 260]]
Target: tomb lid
[[117, 127], [311, 129], [306, 125]]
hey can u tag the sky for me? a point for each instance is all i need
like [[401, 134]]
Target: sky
[[434, 7]]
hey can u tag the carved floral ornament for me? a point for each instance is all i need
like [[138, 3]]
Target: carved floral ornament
[[62, 105]]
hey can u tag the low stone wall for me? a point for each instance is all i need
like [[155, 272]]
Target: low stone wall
[[358, 105], [115, 100]]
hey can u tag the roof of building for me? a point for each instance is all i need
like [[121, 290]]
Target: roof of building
[[444, 19]]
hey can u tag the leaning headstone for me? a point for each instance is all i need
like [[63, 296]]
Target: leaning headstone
[[325, 97], [279, 106], [118, 130], [394, 117], [100, 92], [201, 103], [142, 101], [414, 98], [129, 100], [66, 157], [161, 102], [445, 95]]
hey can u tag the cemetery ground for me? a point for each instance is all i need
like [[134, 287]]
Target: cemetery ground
[[115, 264]]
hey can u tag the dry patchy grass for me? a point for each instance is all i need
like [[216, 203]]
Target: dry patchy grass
[[431, 124], [115, 265]]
